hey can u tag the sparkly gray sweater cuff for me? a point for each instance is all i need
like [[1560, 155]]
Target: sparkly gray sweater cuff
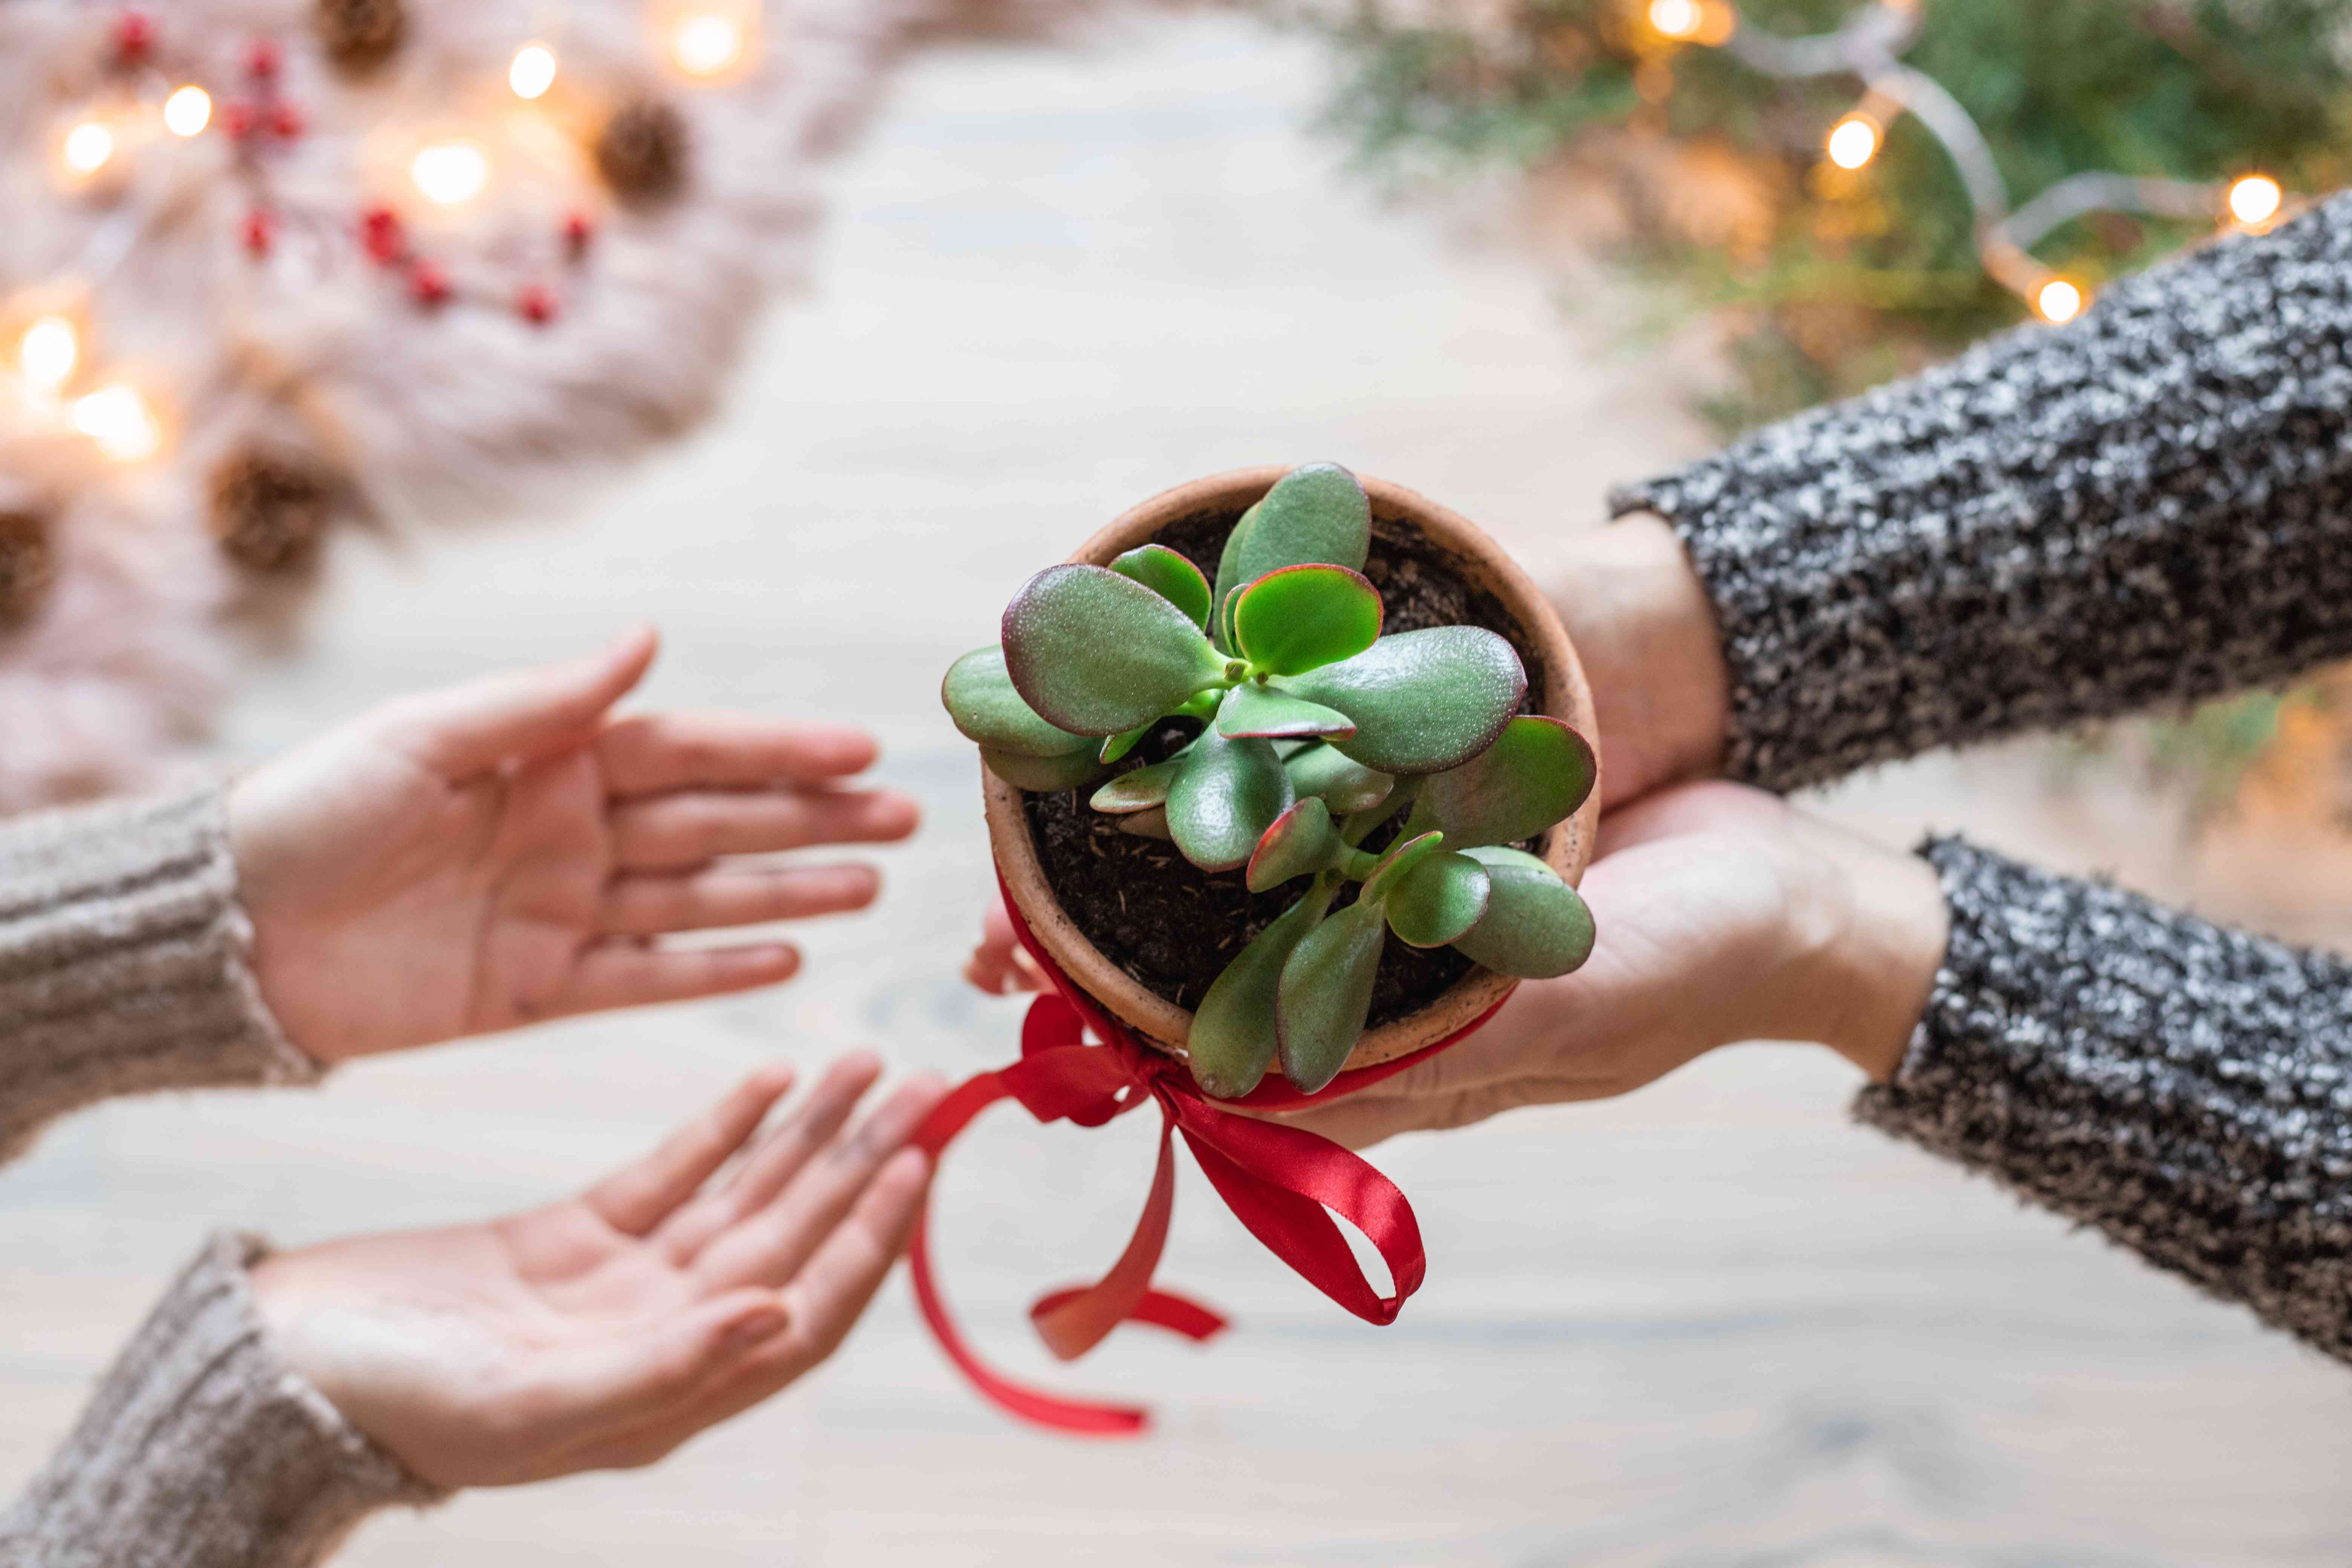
[[2182, 1087], [2151, 504]]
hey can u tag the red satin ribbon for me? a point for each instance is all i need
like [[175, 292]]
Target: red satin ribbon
[[1278, 1180]]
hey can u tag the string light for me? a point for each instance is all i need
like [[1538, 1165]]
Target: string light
[[450, 172], [707, 43], [118, 420], [88, 147], [1676, 18], [534, 71], [2058, 301], [2254, 198], [188, 111], [48, 353], [1852, 142]]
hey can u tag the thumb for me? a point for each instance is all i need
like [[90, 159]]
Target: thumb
[[522, 713]]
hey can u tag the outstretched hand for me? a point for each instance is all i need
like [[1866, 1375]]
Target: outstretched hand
[[604, 1330], [505, 851]]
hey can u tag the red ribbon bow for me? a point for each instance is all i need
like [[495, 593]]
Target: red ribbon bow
[[1277, 1179]]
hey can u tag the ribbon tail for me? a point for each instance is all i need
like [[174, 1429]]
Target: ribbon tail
[[1073, 1322]]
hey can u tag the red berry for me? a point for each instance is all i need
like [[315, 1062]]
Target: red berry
[[537, 304], [380, 231], [577, 232], [134, 34], [286, 122], [258, 228], [429, 284], [262, 61], [236, 118]]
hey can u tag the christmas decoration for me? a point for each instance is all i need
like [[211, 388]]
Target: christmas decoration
[[26, 564], [1837, 180], [642, 151], [269, 261]]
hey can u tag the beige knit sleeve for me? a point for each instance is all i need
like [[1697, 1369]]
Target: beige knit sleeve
[[123, 963], [203, 1450]]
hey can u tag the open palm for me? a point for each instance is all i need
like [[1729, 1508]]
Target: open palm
[[604, 1330], [505, 851]]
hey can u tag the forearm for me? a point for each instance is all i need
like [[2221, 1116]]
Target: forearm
[[2178, 1086], [123, 963], [202, 1448], [2151, 504]]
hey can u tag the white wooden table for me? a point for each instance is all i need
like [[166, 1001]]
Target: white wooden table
[[1711, 1324]]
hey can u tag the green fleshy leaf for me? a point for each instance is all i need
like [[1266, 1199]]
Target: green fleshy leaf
[[1314, 514], [1537, 773], [1346, 784], [1302, 617], [1170, 575], [1302, 840], [1437, 899], [980, 698], [1043, 774], [1423, 702], [1326, 993], [1139, 790], [1234, 1035], [1226, 796], [1400, 857], [1256, 712], [1095, 653], [1152, 824], [1125, 740], [1229, 577], [1536, 926]]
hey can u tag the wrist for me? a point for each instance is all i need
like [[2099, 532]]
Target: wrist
[[1644, 628], [1875, 976]]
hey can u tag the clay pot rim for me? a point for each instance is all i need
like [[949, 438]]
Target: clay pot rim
[[1568, 844]]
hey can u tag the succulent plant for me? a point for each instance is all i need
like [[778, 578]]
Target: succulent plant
[[1316, 731]]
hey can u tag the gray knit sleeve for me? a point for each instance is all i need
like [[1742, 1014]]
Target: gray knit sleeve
[[2184, 1088], [123, 963], [2151, 504], [203, 1450]]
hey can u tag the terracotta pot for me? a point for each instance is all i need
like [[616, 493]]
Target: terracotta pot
[[1560, 691]]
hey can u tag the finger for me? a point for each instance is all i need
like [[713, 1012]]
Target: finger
[[777, 1157], [622, 971], [520, 714], [822, 1306], [618, 1384], [675, 831], [650, 903], [1356, 1123], [769, 1245], [1000, 962], [651, 753], [637, 1197]]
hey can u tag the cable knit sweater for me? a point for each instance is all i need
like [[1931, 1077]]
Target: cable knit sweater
[[122, 969], [2151, 505]]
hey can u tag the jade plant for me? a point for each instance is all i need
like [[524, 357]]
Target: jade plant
[[1316, 731]]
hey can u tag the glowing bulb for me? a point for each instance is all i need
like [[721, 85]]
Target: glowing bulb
[[534, 71], [188, 111], [88, 147], [1854, 141], [2254, 198], [119, 420], [451, 172], [48, 352], [2058, 300], [1676, 18], [707, 45]]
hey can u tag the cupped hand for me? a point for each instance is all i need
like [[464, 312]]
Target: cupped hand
[[507, 851], [1725, 914], [604, 1330]]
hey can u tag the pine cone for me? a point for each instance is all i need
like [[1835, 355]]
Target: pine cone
[[642, 151], [268, 514], [357, 33], [27, 565]]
